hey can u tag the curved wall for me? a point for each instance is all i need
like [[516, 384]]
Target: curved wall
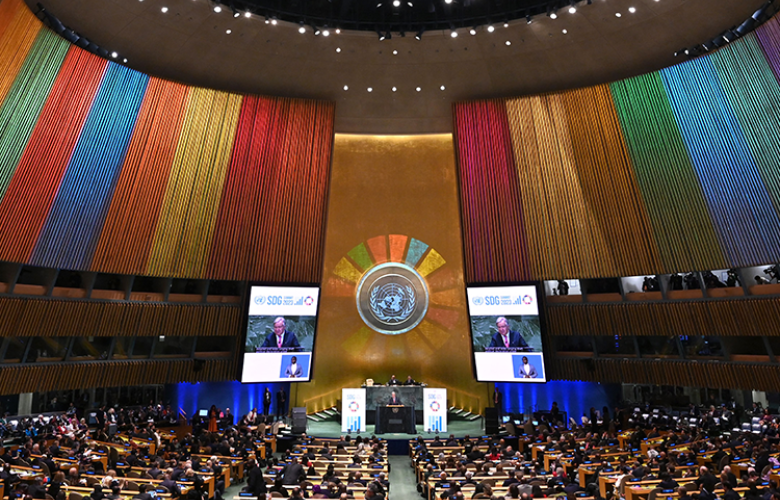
[[106, 169], [675, 170]]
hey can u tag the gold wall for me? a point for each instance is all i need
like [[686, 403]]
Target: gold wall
[[386, 192]]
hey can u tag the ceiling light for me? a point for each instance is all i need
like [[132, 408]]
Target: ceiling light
[[236, 14], [317, 31], [338, 31], [618, 14], [448, 2], [394, 89], [508, 43], [302, 29], [114, 55], [228, 31], [572, 10], [274, 21], [410, 4], [395, 52], [491, 29], [217, 9], [565, 31], [506, 25], [388, 35], [528, 19], [164, 10], [370, 89], [124, 60], [442, 87], [553, 15], [632, 9], [473, 31], [346, 87], [325, 32], [381, 36], [338, 49], [396, 3], [454, 34], [247, 14], [267, 21], [418, 89]]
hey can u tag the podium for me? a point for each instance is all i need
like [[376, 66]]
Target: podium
[[395, 419]]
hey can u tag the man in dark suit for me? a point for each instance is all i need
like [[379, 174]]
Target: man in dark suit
[[170, 484], [394, 399], [292, 472], [255, 484], [393, 381], [280, 337], [281, 403], [142, 494], [505, 337]]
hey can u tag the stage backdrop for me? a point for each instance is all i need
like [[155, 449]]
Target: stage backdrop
[[393, 200]]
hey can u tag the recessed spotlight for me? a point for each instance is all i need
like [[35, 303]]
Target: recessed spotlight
[[454, 34], [572, 10], [217, 9], [370, 89], [418, 89], [302, 30], [325, 33], [410, 4], [247, 14], [396, 3], [114, 55], [164, 10], [228, 32], [338, 49], [394, 89], [565, 31], [338, 31], [508, 43], [506, 25], [236, 14], [491, 29], [618, 14], [632, 9], [274, 21], [124, 60], [553, 16], [448, 2], [346, 87], [395, 52], [473, 31], [442, 87]]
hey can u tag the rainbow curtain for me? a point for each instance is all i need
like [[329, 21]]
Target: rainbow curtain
[[106, 169], [671, 171]]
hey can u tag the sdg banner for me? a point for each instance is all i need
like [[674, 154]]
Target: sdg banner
[[353, 410], [435, 410]]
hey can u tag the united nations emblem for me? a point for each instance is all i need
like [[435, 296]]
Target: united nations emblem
[[392, 298]]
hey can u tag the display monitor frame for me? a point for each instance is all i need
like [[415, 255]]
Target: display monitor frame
[[245, 332], [539, 288]]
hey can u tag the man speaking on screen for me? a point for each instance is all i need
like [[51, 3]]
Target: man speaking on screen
[[527, 370], [280, 337], [293, 370], [505, 337]]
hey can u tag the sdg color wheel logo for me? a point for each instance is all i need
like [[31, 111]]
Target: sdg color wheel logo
[[392, 298]]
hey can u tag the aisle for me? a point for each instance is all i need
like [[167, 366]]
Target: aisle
[[403, 483]]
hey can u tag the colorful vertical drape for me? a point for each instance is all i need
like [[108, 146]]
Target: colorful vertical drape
[[103, 168], [671, 171]]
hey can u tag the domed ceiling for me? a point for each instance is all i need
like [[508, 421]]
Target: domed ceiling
[[383, 78]]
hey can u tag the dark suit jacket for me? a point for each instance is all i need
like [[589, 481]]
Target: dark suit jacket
[[396, 402], [255, 483], [143, 496], [292, 473], [515, 340], [288, 340]]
